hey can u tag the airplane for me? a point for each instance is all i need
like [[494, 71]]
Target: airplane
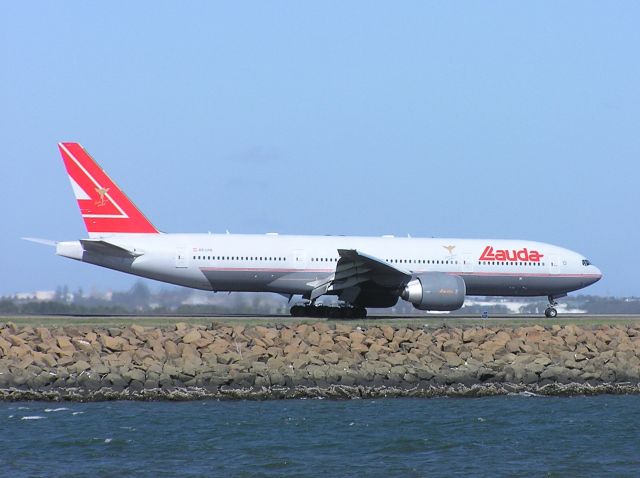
[[433, 274]]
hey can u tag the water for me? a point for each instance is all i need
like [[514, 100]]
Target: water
[[514, 436]]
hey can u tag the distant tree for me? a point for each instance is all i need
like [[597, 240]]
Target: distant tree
[[65, 293], [8, 306], [138, 297]]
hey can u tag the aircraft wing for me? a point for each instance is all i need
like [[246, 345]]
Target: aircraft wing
[[356, 268]]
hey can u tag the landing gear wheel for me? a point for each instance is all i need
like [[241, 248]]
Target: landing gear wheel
[[551, 311]]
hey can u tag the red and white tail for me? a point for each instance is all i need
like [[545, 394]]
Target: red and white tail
[[104, 207]]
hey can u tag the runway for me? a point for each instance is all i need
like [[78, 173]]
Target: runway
[[415, 320]]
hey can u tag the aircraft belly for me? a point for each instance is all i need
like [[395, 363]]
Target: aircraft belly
[[524, 286], [261, 281], [288, 282], [149, 268]]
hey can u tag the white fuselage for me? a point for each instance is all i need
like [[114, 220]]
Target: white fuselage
[[291, 264]]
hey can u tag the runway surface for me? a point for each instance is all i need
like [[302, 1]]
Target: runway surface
[[428, 320]]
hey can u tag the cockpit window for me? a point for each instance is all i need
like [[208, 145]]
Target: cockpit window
[[586, 262]]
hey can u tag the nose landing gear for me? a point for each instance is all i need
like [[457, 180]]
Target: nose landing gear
[[551, 312]]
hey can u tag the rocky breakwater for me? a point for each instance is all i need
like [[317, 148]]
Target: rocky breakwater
[[318, 360]]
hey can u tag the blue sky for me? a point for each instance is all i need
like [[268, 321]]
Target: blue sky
[[463, 119]]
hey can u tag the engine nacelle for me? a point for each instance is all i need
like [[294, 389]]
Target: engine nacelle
[[435, 291]]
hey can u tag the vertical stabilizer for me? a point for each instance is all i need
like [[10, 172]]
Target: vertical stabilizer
[[104, 207]]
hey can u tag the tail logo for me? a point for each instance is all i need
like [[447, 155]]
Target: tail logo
[[102, 193]]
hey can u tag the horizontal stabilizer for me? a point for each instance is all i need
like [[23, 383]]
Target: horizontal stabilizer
[[106, 248], [46, 242]]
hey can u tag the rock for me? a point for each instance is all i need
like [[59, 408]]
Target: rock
[[452, 359], [388, 332], [371, 355], [191, 336], [320, 327], [276, 378], [555, 373], [424, 373], [331, 357], [258, 367], [451, 345], [203, 342], [356, 337], [114, 381], [360, 348], [326, 342], [171, 349], [134, 374], [48, 360], [394, 359], [275, 363], [114, 344], [343, 329], [286, 335], [243, 380], [79, 366], [83, 346], [471, 335], [232, 358], [16, 340], [19, 351], [100, 369], [25, 362], [313, 338], [90, 381], [513, 346], [5, 346], [189, 352]]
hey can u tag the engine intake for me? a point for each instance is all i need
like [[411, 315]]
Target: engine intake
[[435, 291]]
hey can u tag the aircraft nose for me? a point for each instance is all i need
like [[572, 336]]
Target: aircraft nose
[[597, 274]]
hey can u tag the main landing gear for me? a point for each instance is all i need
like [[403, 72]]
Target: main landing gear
[[327, 312], [551, 312]]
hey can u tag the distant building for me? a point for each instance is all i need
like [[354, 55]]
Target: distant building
[[38, 295]]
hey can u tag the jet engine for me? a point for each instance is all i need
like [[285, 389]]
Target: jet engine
[[435, 291]]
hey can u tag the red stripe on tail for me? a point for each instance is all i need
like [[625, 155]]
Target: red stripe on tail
[[104, 207]]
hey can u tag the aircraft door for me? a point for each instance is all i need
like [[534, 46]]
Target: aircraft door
[[182, 258], [467, 263], [299, 259], [554, 264]]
